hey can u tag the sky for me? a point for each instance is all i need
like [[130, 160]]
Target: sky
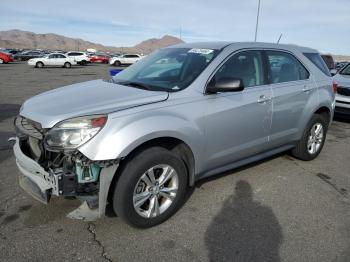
[[320, 24]]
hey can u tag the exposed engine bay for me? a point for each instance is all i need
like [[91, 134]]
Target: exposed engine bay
[[69, 172]]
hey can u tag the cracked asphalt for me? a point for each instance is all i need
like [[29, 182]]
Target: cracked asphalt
[[279, 209]]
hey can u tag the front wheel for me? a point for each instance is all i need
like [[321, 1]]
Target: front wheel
[[39, 65], [312, 141], [67, 65], [151, 187], [117, 63]]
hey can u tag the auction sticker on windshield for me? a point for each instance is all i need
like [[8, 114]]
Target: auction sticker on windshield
[[201, 51]]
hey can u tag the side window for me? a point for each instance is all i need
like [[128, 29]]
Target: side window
[[285, 67], [60, 56], [52, 56], [246, 65], [317, 60]]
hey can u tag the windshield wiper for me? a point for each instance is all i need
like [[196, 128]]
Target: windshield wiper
[[134, 84]]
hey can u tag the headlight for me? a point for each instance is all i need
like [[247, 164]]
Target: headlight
[[72, 133]]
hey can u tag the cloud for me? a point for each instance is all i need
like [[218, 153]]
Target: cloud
[[316, 23]]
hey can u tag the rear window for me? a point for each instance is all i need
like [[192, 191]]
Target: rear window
[[317, 60]]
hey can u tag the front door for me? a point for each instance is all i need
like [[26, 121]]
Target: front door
[[238, 123]]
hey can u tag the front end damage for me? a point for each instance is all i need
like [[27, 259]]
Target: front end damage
[[46, 173]]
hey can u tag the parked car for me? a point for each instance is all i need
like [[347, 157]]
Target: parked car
[[329, 61], [26, 55], [143, 138], [52, 60], [11, 51], [99, 58], [126, 59], [342, 98], [5, 58], [340, 65], [80, 57]]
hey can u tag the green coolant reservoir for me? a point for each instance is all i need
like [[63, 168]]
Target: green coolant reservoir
[[87, 174]]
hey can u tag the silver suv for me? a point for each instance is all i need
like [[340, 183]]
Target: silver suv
[[141, 139]]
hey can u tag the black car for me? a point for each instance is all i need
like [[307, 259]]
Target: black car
[[24, 56], [12, 51]]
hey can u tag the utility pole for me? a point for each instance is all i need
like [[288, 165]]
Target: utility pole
[[257, 22]]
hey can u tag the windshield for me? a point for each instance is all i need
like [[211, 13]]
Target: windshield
[[345, 70], [169, 69]]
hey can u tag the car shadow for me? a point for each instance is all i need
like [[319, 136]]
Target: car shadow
[[244, 230]]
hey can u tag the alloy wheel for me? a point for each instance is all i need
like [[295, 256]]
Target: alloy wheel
[[155, 191], [315, 139]]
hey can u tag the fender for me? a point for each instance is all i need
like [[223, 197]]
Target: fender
[[320, 98], [122, 135]]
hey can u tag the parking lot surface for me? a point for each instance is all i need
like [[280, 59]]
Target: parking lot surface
[[279, 209]]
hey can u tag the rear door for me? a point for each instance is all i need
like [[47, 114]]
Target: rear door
[[51, 60], [238, 123], [60, 60], [291, 88], [129, 59]]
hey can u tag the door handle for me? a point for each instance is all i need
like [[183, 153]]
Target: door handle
[[263, 99], [305, 89]]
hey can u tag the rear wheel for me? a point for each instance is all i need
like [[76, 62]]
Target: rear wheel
[[83, 63], [39, 65], [151, 187], [67, 65], [312, 141], [117, 63]]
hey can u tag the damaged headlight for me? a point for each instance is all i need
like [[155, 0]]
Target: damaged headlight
[[72, 133]]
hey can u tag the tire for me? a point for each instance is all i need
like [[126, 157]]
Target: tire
[[1, 61], [131, 181], [67, 65], [117, 63], [39, 64], [309, 147], [83, 63]]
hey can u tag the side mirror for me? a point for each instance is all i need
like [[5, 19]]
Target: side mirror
[[227, 84]]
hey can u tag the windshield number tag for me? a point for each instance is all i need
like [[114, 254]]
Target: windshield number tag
[[201, 51]]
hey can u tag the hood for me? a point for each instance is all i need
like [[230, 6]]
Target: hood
[[342, 80], [87, 98]]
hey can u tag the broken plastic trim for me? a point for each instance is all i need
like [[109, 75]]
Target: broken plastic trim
[[84, 212]]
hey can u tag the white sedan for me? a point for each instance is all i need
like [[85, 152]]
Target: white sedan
[[126, 59], [52, 60]]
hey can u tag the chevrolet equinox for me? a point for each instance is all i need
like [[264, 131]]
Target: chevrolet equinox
[[139, 140]]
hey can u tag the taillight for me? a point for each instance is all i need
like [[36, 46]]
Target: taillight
[[334, 86]]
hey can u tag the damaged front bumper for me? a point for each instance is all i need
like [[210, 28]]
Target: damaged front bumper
[[42, 184]]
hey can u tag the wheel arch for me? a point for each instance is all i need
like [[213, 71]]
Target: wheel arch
[[176, 145], [325, 111]]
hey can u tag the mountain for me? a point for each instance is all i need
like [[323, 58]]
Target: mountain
[[50, 41], [156, 43]]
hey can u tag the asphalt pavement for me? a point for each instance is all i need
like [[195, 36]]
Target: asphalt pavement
[[279, 209]]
